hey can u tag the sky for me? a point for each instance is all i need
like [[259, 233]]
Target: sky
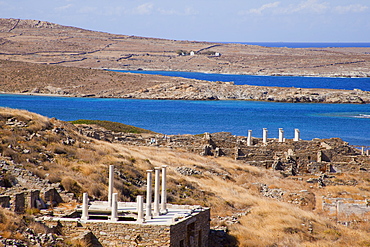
[[206, 20]]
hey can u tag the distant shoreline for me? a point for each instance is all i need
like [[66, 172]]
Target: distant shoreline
[[306, 44]]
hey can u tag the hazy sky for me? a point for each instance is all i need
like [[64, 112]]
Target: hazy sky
[[205, 20]]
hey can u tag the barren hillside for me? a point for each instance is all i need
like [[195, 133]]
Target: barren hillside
[[46, 58], [48, 43], [29, 78]]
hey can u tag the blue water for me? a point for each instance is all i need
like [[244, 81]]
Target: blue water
[[272, 81], [305, 44], [194, 117]]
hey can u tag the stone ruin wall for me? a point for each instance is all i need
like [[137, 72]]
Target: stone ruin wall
[[296, 157], [345, 206], [192, 232], [19, 202], [117, 234]]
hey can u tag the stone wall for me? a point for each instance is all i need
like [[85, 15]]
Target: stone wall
[[119, 234], [19, 203], [346, 206], [5, 201], [190, 232]]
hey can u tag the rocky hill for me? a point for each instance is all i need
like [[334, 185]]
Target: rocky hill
[[250, 205], [29, 78], [48, 43], [39, 57]]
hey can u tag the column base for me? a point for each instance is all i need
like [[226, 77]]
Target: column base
[[163, 212]]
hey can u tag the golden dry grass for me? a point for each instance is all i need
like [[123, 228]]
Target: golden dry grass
[[226, 185], [9, 223]]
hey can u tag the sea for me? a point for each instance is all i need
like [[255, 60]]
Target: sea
[[271, 81], [350, 122], [307, 44], [279, 81]]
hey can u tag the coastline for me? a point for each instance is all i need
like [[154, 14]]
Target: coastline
[[226, 91]]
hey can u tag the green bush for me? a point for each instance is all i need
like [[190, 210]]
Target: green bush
[[113, 126]]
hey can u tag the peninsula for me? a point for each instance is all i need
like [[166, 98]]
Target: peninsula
[[46, 58]]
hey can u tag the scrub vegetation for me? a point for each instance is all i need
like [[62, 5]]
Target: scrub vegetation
[[113, 126], [229, 187]]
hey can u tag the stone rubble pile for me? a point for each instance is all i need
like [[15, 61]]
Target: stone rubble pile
[[14, 122], [31, 239], [25, 178], [187, 171], [271, 193]]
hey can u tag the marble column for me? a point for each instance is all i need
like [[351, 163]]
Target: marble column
[[281, 135], [114, 215], [296, 135], [148, 213], [164, 191], [85, 207], [140, 209], [249, 139], [111, 183], [156, 190], [264, 136]]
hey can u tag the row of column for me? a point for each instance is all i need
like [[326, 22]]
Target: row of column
[[160, 206], [367, 153], [281, 136]]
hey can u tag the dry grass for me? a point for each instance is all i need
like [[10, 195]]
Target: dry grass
[[9, 223], [225, 185]]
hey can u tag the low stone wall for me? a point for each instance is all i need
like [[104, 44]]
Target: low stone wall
[[190, 232], [346, 206], [119, 234]]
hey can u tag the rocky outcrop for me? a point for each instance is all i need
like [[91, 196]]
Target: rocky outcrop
[[228, 91]]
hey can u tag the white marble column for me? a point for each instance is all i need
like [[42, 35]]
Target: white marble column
[[114, 215], [85, 207], [296, 135], [249, 139], [264, 135], [111, 183], [339, 208], [281, 135], [156, 190], [140, 209], [148, 213], [164, 191]]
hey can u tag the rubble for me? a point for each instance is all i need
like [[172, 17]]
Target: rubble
[[187, 171]]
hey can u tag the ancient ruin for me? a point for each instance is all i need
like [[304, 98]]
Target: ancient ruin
[[293, 156], [115, 223]]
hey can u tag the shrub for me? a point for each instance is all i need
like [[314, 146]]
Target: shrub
[[182, 52], [71, 185], [113, 126]]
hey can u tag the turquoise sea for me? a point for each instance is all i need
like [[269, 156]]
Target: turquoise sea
[[347, 121]]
